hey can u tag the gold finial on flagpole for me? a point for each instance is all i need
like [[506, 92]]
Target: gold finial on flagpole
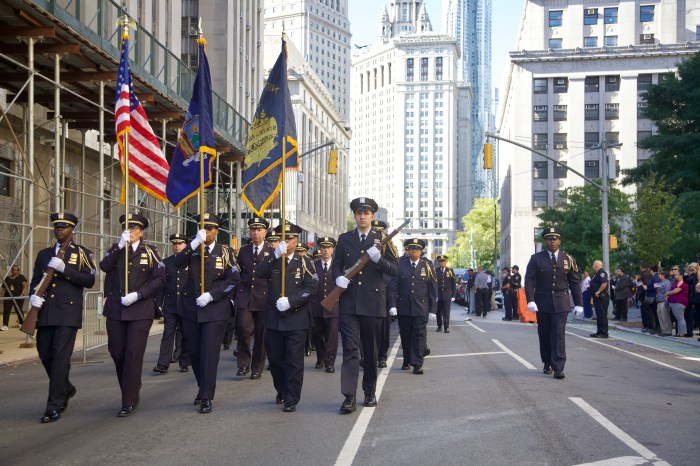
[[126, 22]]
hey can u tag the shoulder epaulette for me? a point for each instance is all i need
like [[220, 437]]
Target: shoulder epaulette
[[308, 266], [86, 257], [574, 267], [429, 266], [152, 255]]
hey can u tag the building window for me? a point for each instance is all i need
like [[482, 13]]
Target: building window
[[423, 69], [642, 109], [559, 113], [558, 199], [590, 139], [612, 83], [539, 141], [409, 69], [610, 41], [610, 15], [561, 85], [697, 32], [555, 18], [5, 166], [555, 44], [612, 137], [539, 85], [539, 199], [592, 112], [590, 170], [590, 42], [612, 111], [438, 69], [646, 39], [592, 84], [646, 13], [540, 113], [590, 16], [643, 82], [560, 170], [559, 141], [539, 170], [642, 135]]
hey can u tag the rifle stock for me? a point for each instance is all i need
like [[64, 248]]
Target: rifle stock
[[329, 301]]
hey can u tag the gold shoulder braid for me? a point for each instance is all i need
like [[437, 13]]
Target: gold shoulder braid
[[574, 267], [226, 254], [390, 245], [152, 257], [311, 271], [84, 259], [428, 265]]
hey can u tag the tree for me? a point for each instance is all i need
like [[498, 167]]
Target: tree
[[479, 225], [579, 220]]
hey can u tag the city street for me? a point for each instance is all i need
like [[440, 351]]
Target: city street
[[630, 400]]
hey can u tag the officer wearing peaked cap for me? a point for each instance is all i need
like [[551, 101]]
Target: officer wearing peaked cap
[[61, 313], [385, 331], [551, 281], [251, 296], [447, 290], [130, 315], [325, 330]]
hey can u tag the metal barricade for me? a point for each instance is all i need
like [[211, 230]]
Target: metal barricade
[[94, 329]]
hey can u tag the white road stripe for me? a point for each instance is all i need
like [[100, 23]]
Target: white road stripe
[[617, 432], [479, 329], [352, 443], [463, 354], [620, 461], [646, 358], [515, 356]]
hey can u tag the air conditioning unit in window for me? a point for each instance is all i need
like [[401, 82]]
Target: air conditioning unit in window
[[561, 81], [591, 11], [648, 36], [612, 79], [591, 164], [560, 146]]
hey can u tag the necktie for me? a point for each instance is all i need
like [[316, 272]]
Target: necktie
[[413, 264], [362, 238], [206, 250], [255, 251], [554, 260], [325, 267]]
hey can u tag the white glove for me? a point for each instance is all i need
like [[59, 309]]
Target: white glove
[[199, 238], [578, 310], [124, 239], [57, 264], [532, 306], [204, 299], [36, 300], [392, 311], [342, 282], [281, 249], [452, 299], [283, 304], [374, 254], [130, 299]]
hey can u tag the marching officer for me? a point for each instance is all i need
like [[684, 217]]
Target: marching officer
[[302, 249], [363, 306], [325, 330], [272, 239], [601, 299], [447, 290], [551, 278], [251, 296], [170, 301], [206, 312], [61, 313], [417, 294], [390, 285], [287, 316], [130, 307]]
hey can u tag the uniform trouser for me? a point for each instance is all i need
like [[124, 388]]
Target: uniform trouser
[[508, 298], [203, 341], [663, 312], [413, 332], [384, 336], [442, 313], [483, 301], [126, 341], [551, 329], [285, 350], [247, 324], [55, 346], [324, 335], [8, 306], [601, 304], [355, 331], [230, 330], [172, 334], [649, 318]]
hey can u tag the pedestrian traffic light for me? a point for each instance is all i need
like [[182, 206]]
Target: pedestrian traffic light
[[488, 156], [612, 242], [333, 162]]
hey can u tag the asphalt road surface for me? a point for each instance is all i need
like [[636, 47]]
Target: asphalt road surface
[[629, 400]]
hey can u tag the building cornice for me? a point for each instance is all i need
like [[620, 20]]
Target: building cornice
[[604, 53]]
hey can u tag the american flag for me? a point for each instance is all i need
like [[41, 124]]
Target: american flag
[[147, 165]]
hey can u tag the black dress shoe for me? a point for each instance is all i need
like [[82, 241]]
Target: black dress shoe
[[279, 399], [160, 369], [330, 370], [439, 329], [381, 364], [205, 407], [506, 319], [242, 372], [126, 411], [318, 365], [426, 351], [370, 400], [69, 395], [255, 376], [50, 416], [184, 369], [418, 370], [197, 401], [599, 335], [447, 330], [307, 352], [348, 405], [235, 353], [226, 347], [405, 366], [547, 369], [289, 407], [559, 375]]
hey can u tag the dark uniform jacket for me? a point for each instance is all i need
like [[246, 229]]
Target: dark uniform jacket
[[366, 293], [299, 287], [220, 277], [417, 289], [64, 297], [516, 281], [146, 277], [597, 280], [326, 284], [552, 289], [175, 280], [446, 283], [251, 292]]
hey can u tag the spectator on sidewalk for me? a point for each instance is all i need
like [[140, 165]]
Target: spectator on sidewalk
[[662, 308], [14, 290], [677, 298], [691, 312], [650, 280], [585, 284], [623, 293], [483, 292]]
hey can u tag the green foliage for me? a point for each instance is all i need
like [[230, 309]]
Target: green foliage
[[687, 249], [579, 219], [478, 224]]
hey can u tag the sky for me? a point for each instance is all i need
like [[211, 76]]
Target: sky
[[364, 17]]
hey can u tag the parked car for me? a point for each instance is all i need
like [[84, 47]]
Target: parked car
[[496, 290]]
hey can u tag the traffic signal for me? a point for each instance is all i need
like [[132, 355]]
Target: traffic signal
[[612, 242], [333, 162], [488, 156]]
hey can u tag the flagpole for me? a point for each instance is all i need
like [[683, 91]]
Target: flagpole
[[283, 197], [202, 42]]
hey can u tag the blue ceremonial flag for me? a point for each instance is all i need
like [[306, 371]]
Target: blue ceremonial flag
[[273, 131], [196, 140]]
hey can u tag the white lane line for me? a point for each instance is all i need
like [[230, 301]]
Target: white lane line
[[620, 461], [352, 443], [479, 329], [617, 432], [646, 358], [515, 356], [463, 354]]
